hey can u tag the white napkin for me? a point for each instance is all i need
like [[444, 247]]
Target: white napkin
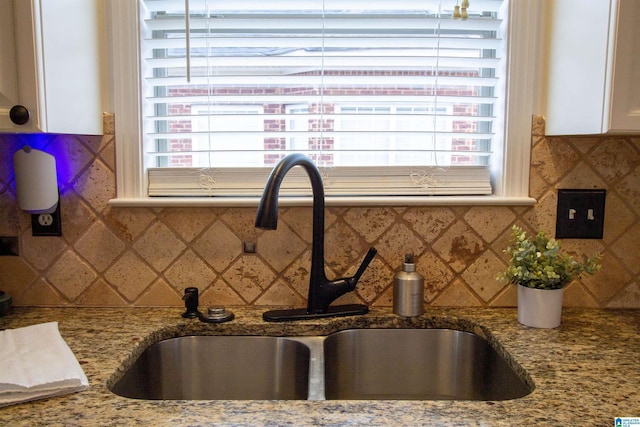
[[35, 363]]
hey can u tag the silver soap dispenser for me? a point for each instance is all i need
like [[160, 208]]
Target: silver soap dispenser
[[408, 290]]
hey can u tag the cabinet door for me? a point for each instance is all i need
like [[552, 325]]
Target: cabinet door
[[8, 69], [593, 82], [57, 65], [625, 89], [577, 66]]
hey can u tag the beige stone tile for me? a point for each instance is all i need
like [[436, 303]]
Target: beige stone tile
[[297, 274], [584, 144], [629, 187], [188, 222], [457, 295], [537, 185], [400, 210], [385, 299], [189, 270], [128, 223], [75, 215], [160, 294], [95, 143], [503, 241], [15, 275], [520, 210], [629, 297], [437, 275], [41, 293], [614, 158], [481, 276], [220, 293], [279, 294], [40, 251], [543, 216], [218, 246], [537, 139], [376, 279], [460, 211], [344, 249], [396, 242], [459, 246], [241, 221], [71, 275], [617, 219], [9, 144], [429, 223], [130, 275], [249, 276], [537, 125], [370, 223], [552, 159], [74, 157], [635, 140], [489, 221], [300, 220], [99, 246], [578, 248], [626, 249], [508, 297], [280, 247], [108, 153], [611, 278], [108, 123], [350, 298], [9, 215], [576, 295], [100, 294], [159, 246], [582, 176], [96, 185]]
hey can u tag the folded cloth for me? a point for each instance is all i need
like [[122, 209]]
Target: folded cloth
[[36, 363]]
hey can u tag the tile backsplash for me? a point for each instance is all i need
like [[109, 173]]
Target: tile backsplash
[[112, 256]]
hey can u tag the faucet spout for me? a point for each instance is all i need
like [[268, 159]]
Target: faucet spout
[[322, 292]]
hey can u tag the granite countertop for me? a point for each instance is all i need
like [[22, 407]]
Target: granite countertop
[[587, 371]]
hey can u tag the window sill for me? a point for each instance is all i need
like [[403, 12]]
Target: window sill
[[329, 201]]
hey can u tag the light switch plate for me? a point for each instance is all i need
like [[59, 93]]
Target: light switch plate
[[580, 214]]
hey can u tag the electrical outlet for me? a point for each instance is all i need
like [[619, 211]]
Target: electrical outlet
[[47, 224], [580, 214]]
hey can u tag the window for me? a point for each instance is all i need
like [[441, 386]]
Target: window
[[388, 98]]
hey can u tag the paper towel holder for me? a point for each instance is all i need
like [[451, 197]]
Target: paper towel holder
[[37, 190], [36, 180]]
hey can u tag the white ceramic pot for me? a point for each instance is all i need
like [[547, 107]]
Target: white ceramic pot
[[540, 308]]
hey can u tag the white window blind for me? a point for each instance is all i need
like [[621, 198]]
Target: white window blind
[[388, 98]]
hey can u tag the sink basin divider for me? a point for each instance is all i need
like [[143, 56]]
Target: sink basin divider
[[316, 365]]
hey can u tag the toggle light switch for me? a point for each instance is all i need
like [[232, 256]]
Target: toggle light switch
[[580, 214]]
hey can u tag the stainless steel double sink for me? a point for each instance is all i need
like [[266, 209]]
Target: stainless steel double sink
[[358, 364]]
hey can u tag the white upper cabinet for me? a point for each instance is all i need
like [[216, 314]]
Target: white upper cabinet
[[50, 66], [593, 80]]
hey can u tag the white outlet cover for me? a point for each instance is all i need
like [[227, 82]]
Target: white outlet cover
[[45, 219]]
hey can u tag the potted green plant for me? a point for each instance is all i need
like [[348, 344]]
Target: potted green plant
[[541, 271]]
